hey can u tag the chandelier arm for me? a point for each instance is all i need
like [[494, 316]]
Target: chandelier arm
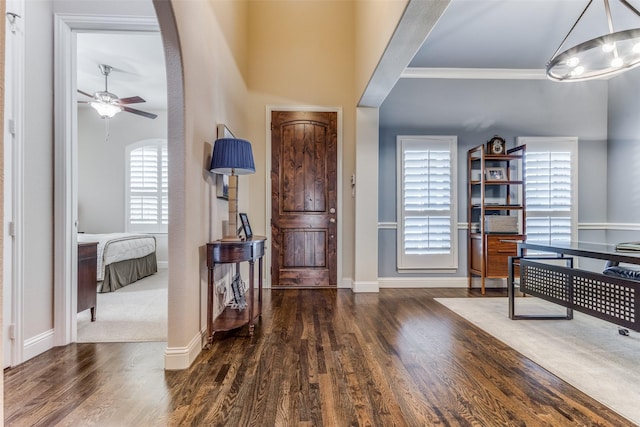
[[630, 7], [607, 10], [569, 33]]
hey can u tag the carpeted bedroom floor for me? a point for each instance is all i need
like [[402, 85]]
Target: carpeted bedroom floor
[[586, 352], [137, 312]]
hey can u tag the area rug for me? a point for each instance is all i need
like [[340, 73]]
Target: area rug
[[137, 312], [586, 352]]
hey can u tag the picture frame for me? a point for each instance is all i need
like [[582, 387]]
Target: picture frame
[[246, 227], [495, 174], [222, 181]]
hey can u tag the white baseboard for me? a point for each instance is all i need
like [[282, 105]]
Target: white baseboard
[[176, 358], [362, 286], [163, 264], [422, 282], [37, 345], [345, 283]]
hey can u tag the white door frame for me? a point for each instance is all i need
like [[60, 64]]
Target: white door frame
[[338, 111], [65, 152], [13, 292]]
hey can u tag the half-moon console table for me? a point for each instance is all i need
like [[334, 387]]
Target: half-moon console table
[[610, 298], [232, 252]]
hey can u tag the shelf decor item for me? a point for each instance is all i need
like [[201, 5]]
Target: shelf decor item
[[496, 145], [238, 289], [232, 157], [495, 174], [246, 227]]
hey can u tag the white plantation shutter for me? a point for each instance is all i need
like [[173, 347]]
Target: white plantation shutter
[[147, 186], [551, 196], [426, 213]]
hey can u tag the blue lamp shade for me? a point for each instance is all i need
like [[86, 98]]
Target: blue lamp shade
[[232, 156]]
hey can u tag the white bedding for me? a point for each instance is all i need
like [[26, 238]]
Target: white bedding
[[114, 247]]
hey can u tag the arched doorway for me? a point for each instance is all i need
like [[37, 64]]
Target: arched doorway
[[66, 217]]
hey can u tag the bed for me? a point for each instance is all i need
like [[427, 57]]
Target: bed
[[123, 258]]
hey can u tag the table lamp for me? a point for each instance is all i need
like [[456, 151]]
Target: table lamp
[[233, 157]]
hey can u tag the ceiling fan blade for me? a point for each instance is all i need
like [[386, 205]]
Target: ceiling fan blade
[[85, 93], [131, 100], [140, 113]]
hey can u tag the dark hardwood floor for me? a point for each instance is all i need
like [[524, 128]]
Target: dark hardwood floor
[[318, 358]]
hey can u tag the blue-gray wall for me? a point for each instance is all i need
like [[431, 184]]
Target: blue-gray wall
[[623, 195], [474, 111]]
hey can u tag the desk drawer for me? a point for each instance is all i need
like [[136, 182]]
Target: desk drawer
[[497, 246], [498, 253]]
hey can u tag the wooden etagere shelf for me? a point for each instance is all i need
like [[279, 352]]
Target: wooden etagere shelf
[[496, 211]]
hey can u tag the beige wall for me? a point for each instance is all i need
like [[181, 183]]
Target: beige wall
[[375, 23], [214, 92], [240, 58], [314, 53], [301, 54]]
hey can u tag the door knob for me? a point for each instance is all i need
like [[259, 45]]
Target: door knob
[[332, 210], [332, 220]]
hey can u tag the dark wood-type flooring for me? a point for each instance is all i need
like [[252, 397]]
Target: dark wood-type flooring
[[318, 358]]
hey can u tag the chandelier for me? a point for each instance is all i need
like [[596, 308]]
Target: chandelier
[[602, 56]]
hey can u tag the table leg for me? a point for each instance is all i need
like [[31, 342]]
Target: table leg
[[260, 283], [210, 290], [511, 287], [251, 274], [210, 294]]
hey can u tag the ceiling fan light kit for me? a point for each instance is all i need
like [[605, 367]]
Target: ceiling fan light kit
[[603, 56], [105, 108], [108, 104]]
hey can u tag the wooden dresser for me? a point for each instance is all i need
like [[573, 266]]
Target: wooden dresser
[[87, 277]]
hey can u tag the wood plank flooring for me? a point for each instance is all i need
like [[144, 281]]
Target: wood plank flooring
[[318, 358]]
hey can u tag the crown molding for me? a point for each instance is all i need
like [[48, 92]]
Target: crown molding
[[474, 73]]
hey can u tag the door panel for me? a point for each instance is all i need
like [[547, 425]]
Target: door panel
[[304, 199]]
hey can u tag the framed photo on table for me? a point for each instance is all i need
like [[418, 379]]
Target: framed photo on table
[[246, 227]]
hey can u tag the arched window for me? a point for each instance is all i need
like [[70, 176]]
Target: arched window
[[146, 192]]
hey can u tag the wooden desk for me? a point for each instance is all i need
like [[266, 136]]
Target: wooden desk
[[87, 277], [221, 252], [606, 297]]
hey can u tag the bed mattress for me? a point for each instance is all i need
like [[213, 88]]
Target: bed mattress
[[115, 247]]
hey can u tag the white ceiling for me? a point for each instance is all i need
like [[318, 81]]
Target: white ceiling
[[492, 34], [514, 34], [138, 65]]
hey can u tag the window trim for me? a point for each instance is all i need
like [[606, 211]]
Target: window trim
[[443, 263], [551, 144], [141, 228]]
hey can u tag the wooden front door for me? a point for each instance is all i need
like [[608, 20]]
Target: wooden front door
[[304, 199]]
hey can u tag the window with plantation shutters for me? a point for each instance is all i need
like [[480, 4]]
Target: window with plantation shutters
[[147, 187], [427, 236], [551, 191]]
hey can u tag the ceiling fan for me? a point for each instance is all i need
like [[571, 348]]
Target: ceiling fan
[[108, 105]]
